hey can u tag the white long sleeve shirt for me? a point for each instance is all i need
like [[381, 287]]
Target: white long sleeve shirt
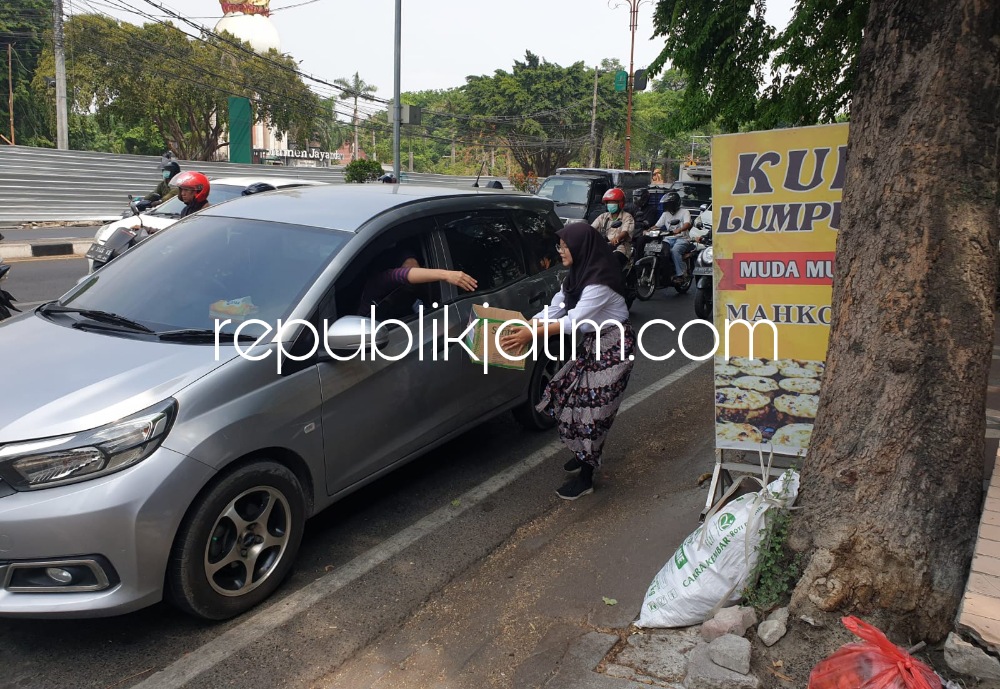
[[598, 303]]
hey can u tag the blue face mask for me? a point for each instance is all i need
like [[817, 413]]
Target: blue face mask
[[166, 174], [612, 208]]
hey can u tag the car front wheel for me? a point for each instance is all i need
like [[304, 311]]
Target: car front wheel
[[237, 542]]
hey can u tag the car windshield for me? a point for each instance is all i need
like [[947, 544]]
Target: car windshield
[[217, 193], [573, 191], [205, 267], [693, 195]]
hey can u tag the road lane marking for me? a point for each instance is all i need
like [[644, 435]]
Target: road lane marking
[[264, 621]]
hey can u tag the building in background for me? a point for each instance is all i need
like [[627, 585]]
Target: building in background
[[250, 21]]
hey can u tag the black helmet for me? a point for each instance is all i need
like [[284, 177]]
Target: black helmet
[[172, 167], [258, 187], [671, 202], [640, 196]]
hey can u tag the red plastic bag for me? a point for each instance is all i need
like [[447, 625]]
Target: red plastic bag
[[875, 663]]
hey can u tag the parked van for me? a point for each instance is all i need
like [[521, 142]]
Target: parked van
[[577, 191]]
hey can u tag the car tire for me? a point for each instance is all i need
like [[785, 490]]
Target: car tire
[[237, 542], [703, 304], [545, 369]]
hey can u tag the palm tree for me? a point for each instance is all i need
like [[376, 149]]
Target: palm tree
[[354, 88]]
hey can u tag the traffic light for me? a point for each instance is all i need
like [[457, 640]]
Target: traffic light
[[639, 80]]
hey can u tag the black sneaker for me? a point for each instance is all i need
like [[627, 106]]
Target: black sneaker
[[576, 487], [573, 466]]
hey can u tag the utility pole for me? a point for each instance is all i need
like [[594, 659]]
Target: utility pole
[[593, 124], [10, 88], [397, 108], [62, 125], [633, 25]]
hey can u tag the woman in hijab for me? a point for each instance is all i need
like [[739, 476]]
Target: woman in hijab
[[585, 394]]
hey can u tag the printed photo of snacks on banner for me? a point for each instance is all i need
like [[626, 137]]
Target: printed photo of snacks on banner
[[766, 402]]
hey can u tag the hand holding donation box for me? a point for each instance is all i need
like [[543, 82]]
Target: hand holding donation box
[[483, 340]]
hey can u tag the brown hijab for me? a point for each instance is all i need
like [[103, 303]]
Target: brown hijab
[[594, 262]]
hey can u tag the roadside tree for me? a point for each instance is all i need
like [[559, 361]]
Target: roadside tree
[[156, 74], [892, 487]]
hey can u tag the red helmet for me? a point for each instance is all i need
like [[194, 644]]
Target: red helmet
[[192, 180], [615, 195]]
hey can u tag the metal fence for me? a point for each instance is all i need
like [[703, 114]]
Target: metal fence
[[38, 184]]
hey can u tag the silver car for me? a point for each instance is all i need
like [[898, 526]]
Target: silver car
[[144, 456]]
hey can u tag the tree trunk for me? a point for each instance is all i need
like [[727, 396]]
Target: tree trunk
[[892, 487]]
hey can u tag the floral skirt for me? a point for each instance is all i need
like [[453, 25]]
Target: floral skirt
[[585, 394]]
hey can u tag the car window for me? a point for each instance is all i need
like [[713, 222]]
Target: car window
[[565, 191], [217, 193], [693, 195], [485, 245], [184, 276], [371, 280], [539, 232]]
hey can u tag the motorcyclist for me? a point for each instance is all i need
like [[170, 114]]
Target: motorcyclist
[[678, 237], [644, 216], [164, 191], [192, 189], [619, 237]]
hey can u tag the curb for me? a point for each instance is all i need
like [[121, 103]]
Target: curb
[[48, 249]]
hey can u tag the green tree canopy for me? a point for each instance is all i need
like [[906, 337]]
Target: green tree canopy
[[157, 74], [725, 53], [540, 110], [23, 25]]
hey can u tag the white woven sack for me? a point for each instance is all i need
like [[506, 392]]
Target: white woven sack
[[710, 568]]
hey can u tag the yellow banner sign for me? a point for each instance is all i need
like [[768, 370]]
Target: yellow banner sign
[[776, 212]]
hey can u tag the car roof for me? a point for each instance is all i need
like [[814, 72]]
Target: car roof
[[350, 206], [277, 182]]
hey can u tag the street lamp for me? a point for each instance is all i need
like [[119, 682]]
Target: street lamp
[[633, 6]]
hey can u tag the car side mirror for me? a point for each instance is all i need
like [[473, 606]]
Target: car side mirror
[[347, 334]]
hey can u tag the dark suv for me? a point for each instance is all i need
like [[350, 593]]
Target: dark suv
[[577, 192]]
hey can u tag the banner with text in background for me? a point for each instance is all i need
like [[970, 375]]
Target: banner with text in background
[[776, 212]]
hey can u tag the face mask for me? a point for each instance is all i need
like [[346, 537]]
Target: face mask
[[166, 174], [612, 208]]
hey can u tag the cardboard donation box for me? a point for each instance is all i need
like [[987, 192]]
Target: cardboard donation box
[[482, 339]]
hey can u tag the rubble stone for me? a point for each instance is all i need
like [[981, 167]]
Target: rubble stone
[[659, 653], [779, 615], [735, 620], [770, 631], [731, 652], [966, 659], [702, 673]]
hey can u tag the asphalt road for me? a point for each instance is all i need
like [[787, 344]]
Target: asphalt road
[[129, 650], [16, 236], [36, 280]]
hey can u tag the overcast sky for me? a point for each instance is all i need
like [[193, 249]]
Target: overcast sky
[[443, 41]]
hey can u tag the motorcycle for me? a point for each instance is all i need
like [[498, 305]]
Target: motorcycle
[[143, 204], [122, 240], [628, 274], [6, 300], [703, 267], [655, 270]]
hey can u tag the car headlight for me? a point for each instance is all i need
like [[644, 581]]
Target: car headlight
[[53, 462], [705, 257]]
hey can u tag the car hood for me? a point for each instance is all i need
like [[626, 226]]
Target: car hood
[[58, 380], [157, 222]]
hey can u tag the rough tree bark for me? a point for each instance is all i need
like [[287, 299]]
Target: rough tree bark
[[892, 488]]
